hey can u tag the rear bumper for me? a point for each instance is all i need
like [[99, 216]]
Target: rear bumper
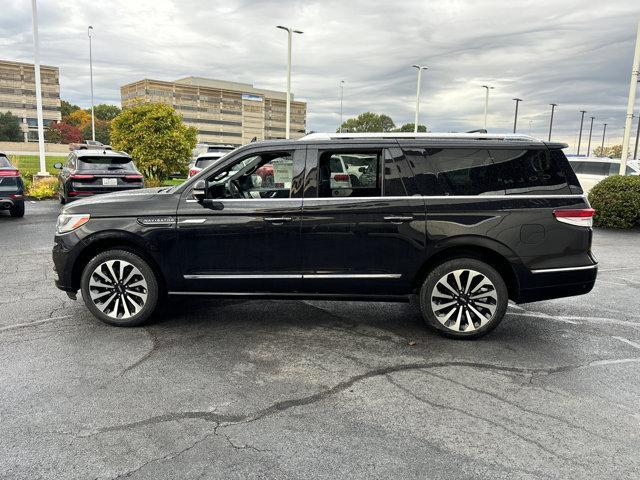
[[8, 201], [547, 284]]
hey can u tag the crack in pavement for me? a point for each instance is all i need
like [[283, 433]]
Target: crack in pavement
[[484, 419], [155, 345]]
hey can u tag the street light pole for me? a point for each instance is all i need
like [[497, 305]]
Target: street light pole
[[515, 118], [553, 107], [341, 96], [530, 124], [486, 103], [635, 150], [633, 86], [36, 64], [590, 131], [580, 135], [93, 122], [290, 33], [415, 122], [604, 131]]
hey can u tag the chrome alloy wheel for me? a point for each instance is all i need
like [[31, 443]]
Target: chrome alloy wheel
[[464, 300], [118, 289]]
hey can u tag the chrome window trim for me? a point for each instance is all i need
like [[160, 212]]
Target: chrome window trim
[[234, 276], [351, 275], [427, 197], [564, 269]]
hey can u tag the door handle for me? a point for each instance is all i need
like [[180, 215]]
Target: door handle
[[398, 220], [278, 220]]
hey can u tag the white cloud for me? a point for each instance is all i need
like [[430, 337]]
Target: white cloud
[[574, 53]]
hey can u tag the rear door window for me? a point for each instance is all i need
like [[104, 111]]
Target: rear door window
[[465, 171], [529, 172], [350, 174], [426, 178]]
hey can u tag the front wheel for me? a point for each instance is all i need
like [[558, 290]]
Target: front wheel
[[463, 298], [119, 288]]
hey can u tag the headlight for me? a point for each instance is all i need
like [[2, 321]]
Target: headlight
[[67, 223]]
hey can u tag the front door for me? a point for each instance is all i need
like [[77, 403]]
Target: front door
[[245, 236], [363, 228]]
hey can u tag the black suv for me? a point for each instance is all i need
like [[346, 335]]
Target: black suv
[[11, 188], [89, 172], [463, 222]]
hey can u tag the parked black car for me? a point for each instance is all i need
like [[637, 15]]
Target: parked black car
[[462, 222], [90, 172], [11, 188]]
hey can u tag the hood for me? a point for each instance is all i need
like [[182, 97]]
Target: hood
[[146, 201]]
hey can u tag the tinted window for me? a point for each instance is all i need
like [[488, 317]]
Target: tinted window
[[4, 162], [352, 174], [423, 171], [205, 162], [529, 172], [105, 163], [398, 179], [577, 166], [465, 171], [595, 168]]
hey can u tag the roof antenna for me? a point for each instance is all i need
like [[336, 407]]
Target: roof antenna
[[254, 139]]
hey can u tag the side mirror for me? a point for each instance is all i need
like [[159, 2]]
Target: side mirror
[[199, 190], [57, 165]]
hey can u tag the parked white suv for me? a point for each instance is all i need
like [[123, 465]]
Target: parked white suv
[[590, 170]]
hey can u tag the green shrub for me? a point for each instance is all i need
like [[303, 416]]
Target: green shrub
[[616, 200], [43, 188]]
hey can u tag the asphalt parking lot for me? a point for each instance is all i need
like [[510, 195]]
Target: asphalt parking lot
[[296, 389]]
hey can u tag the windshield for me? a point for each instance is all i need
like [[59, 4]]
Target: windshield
[[106, 163], [4, 162]]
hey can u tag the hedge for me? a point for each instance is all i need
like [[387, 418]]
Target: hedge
[[616, 200]]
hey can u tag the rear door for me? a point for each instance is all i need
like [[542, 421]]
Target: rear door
[[364, 235]]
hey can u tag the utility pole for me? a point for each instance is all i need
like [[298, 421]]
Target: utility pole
[[515, 118], [580, 135], [36, 64], [341, 96], [630, 104], [415, 122], [290, 33], [635, 150], [93, 122], [590, 131], [486, 103], [604, 131], [553, 107]]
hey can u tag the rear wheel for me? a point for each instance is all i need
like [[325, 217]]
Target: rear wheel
[[17, 211], [119, 288], [463, 298]]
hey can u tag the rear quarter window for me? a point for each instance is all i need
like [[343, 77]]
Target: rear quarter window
[[529, 172]]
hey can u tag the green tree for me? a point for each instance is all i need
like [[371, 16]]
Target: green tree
[[104, 111], [10, 130], [103, 131], [156, 137], [408, 127], [368, 122], [67, 108]]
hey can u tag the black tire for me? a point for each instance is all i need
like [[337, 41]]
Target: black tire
[[123, 259], [17, 211], [476, 300], [61, 196]]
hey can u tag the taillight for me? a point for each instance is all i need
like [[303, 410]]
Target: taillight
[[9, 173], [77, 176], [194, 171], [582, 217], [133, 178], [341, 178]]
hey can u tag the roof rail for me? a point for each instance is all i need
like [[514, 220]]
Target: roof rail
[[432, 136]]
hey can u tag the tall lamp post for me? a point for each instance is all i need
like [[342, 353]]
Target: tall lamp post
[[515, 118], [635, 150], [580, 135], [341, 96], [290, 33], [590, 131], [93, 122], [553, 107], [36, 63], [415, 122], [486, 103], [633, 86], [604, 131]]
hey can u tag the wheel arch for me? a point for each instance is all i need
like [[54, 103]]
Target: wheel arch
[[499, 256], [111, 240]]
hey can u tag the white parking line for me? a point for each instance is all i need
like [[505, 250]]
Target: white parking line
[[29, 324], [628, 342]]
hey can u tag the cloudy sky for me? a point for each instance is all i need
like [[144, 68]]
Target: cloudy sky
[[574, 53]]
